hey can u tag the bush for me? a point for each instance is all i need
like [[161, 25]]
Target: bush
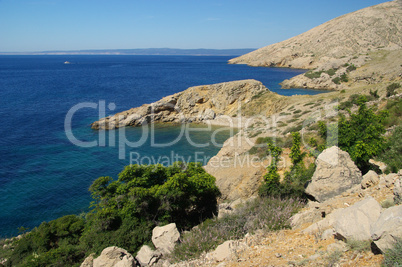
[[392, 151], [351, 68], [124, 212], [53, 242], [331, 72], [313, 75], [393, 257], [391, 89], [294, 181], [362, 135], [394, 108], [336, 80]]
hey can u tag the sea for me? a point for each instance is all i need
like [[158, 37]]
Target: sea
[[49, 155]]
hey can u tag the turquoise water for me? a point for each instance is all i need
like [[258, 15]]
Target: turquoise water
[[42, 174]]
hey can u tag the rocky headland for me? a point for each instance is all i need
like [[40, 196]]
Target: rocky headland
[[196, 104]]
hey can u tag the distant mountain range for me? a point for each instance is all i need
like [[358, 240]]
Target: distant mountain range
[[145, 51]]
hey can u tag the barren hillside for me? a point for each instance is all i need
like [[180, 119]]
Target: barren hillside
[[374, 28]]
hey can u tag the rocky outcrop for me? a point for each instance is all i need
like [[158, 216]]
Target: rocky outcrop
[[146, 256], [331, 48], [335, 173], [165, 238], [111, 257], [196, 104], [354, 222], [368, 29], [388, 228]]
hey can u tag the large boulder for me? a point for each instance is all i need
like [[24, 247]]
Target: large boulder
[[388, 228], [354, 222], [165, 238], [89, 261], [114, 257], [146, 256], [335, 173]]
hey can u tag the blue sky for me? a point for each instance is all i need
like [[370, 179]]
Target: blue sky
[[39, 25]]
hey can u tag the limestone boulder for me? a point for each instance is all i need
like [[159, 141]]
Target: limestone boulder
[[146, 256], [354, 223], [89, 261], [388, 228], [335, 174], [165, 238], [224, 251], [114, 257]]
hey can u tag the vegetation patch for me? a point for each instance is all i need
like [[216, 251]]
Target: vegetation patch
[[391, 153], [391, 89], [351, 68], [341, 79], [269, 214], [124, 212], [393, 257]]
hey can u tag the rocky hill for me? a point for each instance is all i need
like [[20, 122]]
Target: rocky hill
[[338, 47], [368, 29]]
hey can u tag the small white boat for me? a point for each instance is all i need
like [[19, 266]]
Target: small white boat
[[67, 62]]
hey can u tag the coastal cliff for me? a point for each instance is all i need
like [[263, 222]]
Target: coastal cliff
[[196, 104], [337, 48]]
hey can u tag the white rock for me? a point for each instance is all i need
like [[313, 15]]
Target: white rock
[[165, 238], [335, 174], [114, 257], [146, 256], [354, 222], [224, 251], [387, 228]]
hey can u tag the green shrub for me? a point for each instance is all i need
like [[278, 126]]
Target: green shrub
[[362, 134], [392, 151], [353, 100], [351, 68], [344, 78], [391, 89], [124, 212], [393, 257], [309, 104], [313, 75], [336, 80], [294, 181], [394, 108], [51, 242], [272, 178], [331, 72], [374, 94]]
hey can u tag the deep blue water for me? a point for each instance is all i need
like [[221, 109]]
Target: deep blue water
[[42, 174]]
